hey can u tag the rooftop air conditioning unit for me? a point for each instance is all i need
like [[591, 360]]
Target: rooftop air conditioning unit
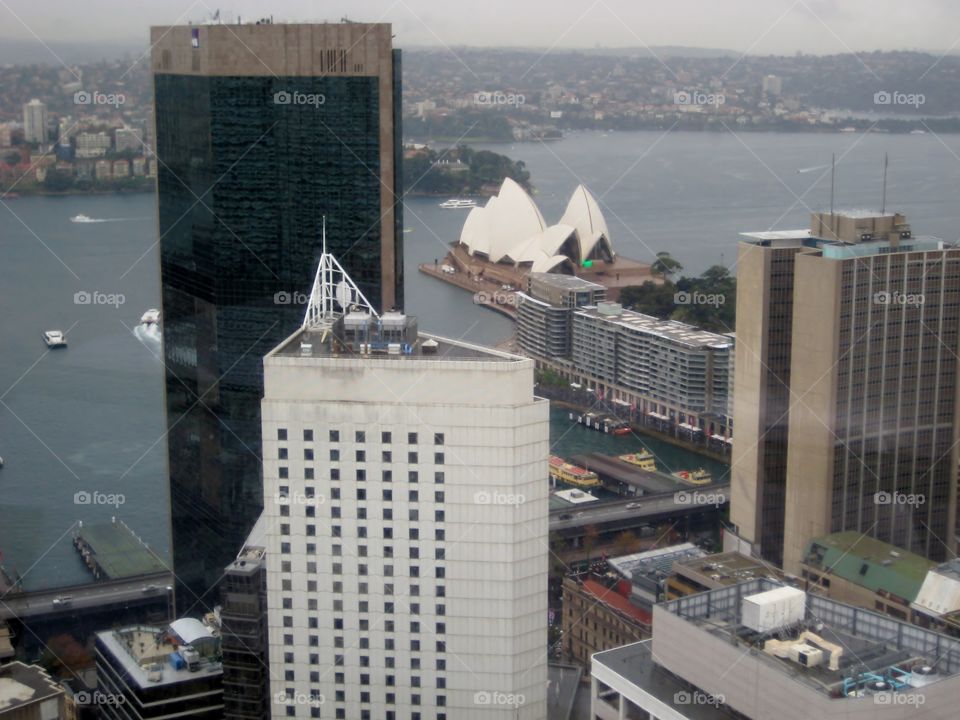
[[806, 655]]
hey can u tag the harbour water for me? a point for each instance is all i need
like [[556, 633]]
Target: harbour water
[[89, 419]]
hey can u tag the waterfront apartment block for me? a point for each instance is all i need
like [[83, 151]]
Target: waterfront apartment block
[[405, 496], [758, 650], [846, 403], [660, 372], [261, 130]]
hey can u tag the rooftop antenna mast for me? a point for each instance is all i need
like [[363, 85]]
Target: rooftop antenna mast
[[334, 293], [883, 206]]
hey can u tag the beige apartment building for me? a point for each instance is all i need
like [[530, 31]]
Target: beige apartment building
[[846, 377]]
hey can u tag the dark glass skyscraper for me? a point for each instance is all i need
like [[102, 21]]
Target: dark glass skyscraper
[[261, 130]]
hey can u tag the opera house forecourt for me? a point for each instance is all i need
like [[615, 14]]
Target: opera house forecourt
[[504, 240]]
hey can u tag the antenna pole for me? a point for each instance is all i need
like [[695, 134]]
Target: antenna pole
[[883, 206]]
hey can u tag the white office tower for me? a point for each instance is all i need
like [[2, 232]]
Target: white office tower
[[405, 491]]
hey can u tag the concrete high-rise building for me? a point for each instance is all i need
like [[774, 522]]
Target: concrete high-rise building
[[260, 130], [846, 386], [772, 84], [35, 122], [405, 496]]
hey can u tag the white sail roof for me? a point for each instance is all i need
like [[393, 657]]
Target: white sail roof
[[511, 228]]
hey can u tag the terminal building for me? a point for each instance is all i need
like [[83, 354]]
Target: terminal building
[[661, 373], [760, 650], [405, 495]]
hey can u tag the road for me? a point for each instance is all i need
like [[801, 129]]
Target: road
[[684, 502], [112, 592]]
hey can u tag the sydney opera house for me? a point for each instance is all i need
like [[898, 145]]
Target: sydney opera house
[[510, 229], [508, 238]]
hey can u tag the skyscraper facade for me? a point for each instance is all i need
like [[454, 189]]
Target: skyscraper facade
[[859, 430], [35, 122], [261, 130], [405, 497]]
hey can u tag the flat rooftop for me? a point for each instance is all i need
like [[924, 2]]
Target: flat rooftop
[[672, 330], [143, 649], [653, 564], [118, 552], [873, 645], [22, 684], [564, 680], [565, 282], [635, 663], [426, 347], [723, 568]]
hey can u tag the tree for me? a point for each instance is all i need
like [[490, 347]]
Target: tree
[[665, 266], [57, 180], [625, 543], [590, 537], [651, 298]]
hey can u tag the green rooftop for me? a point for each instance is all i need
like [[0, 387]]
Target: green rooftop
[[112, 551], [868, 562]]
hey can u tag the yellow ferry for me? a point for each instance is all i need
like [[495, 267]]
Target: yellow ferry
[[695, 477], [643, 460], [572, 474]]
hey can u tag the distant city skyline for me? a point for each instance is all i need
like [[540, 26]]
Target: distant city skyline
[[743, 26]]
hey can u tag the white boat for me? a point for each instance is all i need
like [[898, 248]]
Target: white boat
[[150, 317], [458, 204], [82, 219], [54, 339]]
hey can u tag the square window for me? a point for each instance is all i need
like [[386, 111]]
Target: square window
[[387, 514], [360, 436], [334, 455], [439, 515], [334, 473], [387, 494], [281, 433], [308, 435], [438, 458], [308, 473], [438, 438], [334, 436], [387, 476], [282, 453], [413, 515], [412, 438], [361, 475], [361, 456], [388, 534], [438, 496], [439, 478], [386, 438], [439, 534], [412, 458], [413, 496], [414, 552], [386, 456], [413, 477], [308, 453], [284, 472]]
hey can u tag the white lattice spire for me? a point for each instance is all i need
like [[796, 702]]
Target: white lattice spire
[[333, 294]]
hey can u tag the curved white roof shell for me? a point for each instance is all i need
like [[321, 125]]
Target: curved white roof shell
[[583, 213], [510, 228]]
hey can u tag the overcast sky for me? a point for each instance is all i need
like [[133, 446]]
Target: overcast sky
[[754, 26]]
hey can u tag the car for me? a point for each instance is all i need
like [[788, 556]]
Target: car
[[566, 516], [62, 600], [632, 506]]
